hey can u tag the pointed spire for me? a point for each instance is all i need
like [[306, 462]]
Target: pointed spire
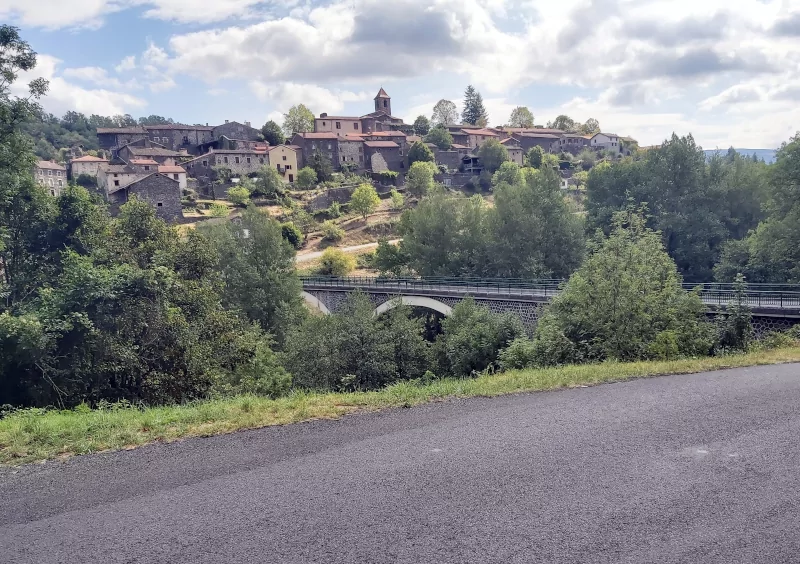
[[382, 94]]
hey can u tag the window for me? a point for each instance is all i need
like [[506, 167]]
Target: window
[[49, 173], [160, 204], [329, 146], [284, 157], [385, 104], [236, 159], [52, 192], [60, 183], [225, 159], [261, 160], [343, 158], [355, 125], [288, 167], [248, 160], [41, 172], [338, 125], [323, 123], [291, 178], [147, 167], [50, 182], [175, 176], [361, 158], [116, 183], [116, 175], [205, 163]]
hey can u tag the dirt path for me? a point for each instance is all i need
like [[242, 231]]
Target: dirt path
[[355, 248]]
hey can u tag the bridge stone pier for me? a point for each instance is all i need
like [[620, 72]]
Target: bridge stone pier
[[773, 310]]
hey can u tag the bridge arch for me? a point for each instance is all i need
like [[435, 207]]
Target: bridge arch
[[315, 303], [418, 301]]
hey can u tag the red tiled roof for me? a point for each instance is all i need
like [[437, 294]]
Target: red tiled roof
[[49, 165], [484, 132], [353, 138], [382, 94], [88, 159], [329, 118], [382, 144], [143, 162], [292, 147], [318, 135], [457, 146], [385, 134], [171, 169]]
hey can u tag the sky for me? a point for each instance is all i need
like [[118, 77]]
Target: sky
[[726, 71]]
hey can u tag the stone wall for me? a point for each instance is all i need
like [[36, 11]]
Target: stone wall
[[176, 138], [236, 130], [451, 159]]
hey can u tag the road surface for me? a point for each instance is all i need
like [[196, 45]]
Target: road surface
[[317, 254], [693, 469]]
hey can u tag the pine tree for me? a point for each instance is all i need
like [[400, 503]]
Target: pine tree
[[474, 111]]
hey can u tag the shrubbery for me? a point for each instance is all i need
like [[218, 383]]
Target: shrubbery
[[335, 262]]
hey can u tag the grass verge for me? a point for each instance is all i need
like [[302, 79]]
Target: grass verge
[[33, 435]]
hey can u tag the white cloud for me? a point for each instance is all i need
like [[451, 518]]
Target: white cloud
[[318, 99], [58, 13], [64, 95]]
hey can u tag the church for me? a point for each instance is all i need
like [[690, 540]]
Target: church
[[380, 119]]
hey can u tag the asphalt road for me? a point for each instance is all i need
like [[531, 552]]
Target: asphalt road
[[695, 469]]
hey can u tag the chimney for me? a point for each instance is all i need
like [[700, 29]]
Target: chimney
[[226, 121], [247, 123], [323, 115]]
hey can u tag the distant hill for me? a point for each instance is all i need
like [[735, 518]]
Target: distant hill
[[766, 155]]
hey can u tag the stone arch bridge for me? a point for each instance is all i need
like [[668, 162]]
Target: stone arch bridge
[[775, 307]]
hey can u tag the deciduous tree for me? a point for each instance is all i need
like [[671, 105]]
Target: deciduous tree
[[364, 200], [520, 117], [445, 113], [440, 137], [420, 152], [298, 119], [422, 125], [273, 134]]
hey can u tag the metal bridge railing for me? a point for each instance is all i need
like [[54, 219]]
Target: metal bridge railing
[[757, 295]]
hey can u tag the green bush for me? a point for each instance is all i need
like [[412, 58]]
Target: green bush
[[239, 195], [625, 303], [292, 234], [397, 199], [219, 210], [306, 178], [472, 337], [263, 375], [517, 355], [735, 327], [335, 262], [332, 232]]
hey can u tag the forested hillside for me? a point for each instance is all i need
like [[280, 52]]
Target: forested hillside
[[53, 135]]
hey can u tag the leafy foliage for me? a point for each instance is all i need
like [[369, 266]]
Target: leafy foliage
[[419, 180], [535, 156], [364, 200], [520, 117], [474, 112], [420, 152], [321, 164], [332, 232], [298, 119], [695, 206], [335, 262], [355, 350], [624, 303], [273, 133], [422, 125], [508, 173], [292, 234], [239, 195], [398, 201], [306, 177], [492, 154], [445, 113], [440, 137]]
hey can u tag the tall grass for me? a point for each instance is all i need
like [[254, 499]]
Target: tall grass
[[34, 434]]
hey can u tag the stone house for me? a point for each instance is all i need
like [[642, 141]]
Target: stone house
[[342, 126], [51, 175], [241, 163], [351, 152], [111, 177], [384, 155], [572, 143], [610, 141], [515, 153], [85, 165], [239, 131], [176, 173], [326, 143], [159, 154], [284, 159], [111, 138], [143, 165], [451, 159], [176, 137], [159, 190], [477, 137], [547, 141]]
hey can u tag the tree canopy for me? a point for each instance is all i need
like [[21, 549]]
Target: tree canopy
[[273, 133], [440, 137], [445, 113], [422, 125], [420, 152], [474, 112], [298, 119], [492, 154], [520, 117]]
